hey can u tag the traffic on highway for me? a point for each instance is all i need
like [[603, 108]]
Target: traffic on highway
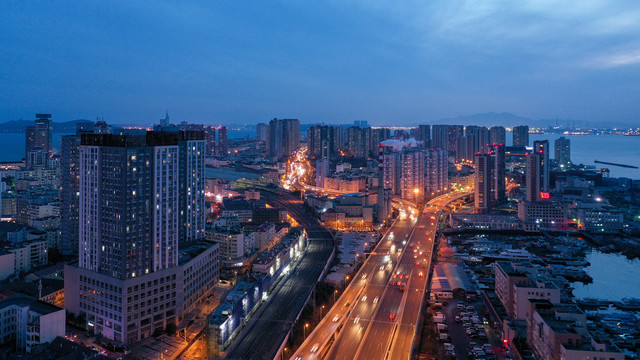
[[377, 315]]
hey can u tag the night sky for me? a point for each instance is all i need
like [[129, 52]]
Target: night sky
[[388, 62]]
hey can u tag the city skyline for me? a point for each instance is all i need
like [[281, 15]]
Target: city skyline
[[330, 180], [381, 62]]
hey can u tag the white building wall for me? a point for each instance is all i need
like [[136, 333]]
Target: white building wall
[[6, 265], [165, 205], [89, 232]]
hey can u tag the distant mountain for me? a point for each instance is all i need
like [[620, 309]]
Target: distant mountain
[[19, 125], [489, 119]]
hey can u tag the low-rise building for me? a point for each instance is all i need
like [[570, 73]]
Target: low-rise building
[[597, 216], [274, 215], [282, 254], [7, 264], [232, 245], [29, 254], [200, 264], [127, 310], [484, 221], [29, 322], [558, 331], [265, 236], [541, 215], [515, 288]]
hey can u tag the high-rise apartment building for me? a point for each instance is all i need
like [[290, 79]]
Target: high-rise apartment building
[[499, 173], [423, 135], [541, 147], [316, 136], [130, 280], [129, 203], [440, 136], [562, 153], [262, 131], [392, 170], [475, 140], [521, 135], [412, 178], [483, 181], [532, 177], [498, 135], [222, 143], [377, 136], [284, 137], [436, 172], [446, 137], [339, 136], [455, 132], [70, 188], [490, 182], [210, 140], [356, 142], [39, 135], [383, 207], [478, 136], [192, 184], [322, 171]]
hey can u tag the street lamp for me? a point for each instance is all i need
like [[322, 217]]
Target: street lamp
[[416, 191], [321, 311], [334, 296], [304, 330]]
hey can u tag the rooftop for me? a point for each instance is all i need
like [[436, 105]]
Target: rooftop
[[189, 251], [38, 306]]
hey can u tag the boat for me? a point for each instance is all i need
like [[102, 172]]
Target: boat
[[629, 304], [592, 303]]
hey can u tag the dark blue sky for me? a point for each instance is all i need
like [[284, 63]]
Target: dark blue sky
[[332, 61]]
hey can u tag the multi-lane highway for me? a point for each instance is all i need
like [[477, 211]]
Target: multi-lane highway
[[373, 276], [267, 330], [381, 322]]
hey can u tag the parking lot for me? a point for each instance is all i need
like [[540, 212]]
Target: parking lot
[[464, 332]]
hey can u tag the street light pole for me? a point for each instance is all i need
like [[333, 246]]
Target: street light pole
[[304, 330]]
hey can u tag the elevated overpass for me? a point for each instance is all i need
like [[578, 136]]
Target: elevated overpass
[[377, 318]]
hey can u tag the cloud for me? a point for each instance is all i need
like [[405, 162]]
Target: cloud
[[631, 57], [545, 29]]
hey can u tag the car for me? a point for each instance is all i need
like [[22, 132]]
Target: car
[[356, 320], [421, 226], [364, 298], [364, 276], [420, 274], [314, 348], [381, 267], [375, 300], [392, 316], [336, 318]]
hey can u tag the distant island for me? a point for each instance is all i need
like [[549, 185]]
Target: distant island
[[17, 126]]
